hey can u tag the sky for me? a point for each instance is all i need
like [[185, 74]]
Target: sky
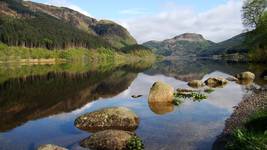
[[216, 20]]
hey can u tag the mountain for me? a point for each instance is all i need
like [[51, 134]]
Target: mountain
[[230, 46], [187, 44], [30, 24]]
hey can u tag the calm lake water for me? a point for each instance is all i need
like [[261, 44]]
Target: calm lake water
[[38, 104]]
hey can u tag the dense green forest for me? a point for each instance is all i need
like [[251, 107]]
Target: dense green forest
[[257, 40], [46, 32], [26, 24], [36, 29]]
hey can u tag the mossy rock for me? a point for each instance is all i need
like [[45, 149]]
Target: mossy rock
[[196, 84], [120, 118], [245, 76], [216, 82], [51, 147], [108, 140]]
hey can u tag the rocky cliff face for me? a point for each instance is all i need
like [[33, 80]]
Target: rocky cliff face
[[191, 37], [184, 45]]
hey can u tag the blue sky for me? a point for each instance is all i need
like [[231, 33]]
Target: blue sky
[[117, 9], [216, 20]]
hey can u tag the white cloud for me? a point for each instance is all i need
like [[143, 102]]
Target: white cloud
[[216, 24], [65, 3]]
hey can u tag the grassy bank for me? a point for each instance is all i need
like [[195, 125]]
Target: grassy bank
[[246, 129], [41, 55], [18, 61]]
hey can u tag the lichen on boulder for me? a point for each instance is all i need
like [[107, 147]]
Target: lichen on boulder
[[120, 118], [108, 140], [51, 147], [196, 84], [216, 82], [245, 76]]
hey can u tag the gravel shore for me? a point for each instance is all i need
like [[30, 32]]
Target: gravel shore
[[250, 104]]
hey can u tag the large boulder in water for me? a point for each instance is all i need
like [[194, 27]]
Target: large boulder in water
[[160, 92], [120, 118], [246, 76], [108, 140], [216, 82], [51, 147], [196, 83]]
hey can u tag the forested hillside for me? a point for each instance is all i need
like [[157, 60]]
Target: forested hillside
[[37, 25]]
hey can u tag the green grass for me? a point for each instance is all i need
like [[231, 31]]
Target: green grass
[[11, 53], [253, 136]]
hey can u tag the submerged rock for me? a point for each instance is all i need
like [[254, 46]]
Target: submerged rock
[[120, 118], [232, 78], [160, 92], [216, 82], [136, 96], [108, 140], [196, 84], [179, 90], [246, 76], [51, 147]]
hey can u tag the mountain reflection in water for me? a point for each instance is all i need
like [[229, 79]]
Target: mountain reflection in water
[[39, 108]]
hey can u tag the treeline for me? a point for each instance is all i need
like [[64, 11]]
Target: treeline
[[257, 40], [46, 32], [255, 17]]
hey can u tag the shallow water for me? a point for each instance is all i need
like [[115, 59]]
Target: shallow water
[[39, 107]]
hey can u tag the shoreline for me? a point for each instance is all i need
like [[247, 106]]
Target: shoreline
[[250, 104], [41, 61]]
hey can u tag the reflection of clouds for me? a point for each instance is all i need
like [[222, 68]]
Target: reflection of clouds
[[225, 97], [66, 116], [142, 84]]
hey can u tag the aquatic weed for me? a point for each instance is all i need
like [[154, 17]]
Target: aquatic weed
[[210, 90], [135, 143]]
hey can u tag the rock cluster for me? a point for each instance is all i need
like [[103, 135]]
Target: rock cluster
[[112, 128]]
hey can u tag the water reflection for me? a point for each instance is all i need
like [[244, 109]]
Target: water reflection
[[39, 106], [196, 69], [32, 97], [161, 108]]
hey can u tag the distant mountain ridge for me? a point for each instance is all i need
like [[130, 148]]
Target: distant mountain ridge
[[231, 46], [184, 45], [25, 23]]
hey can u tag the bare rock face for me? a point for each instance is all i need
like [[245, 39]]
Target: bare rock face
[[246, 76], [190, 37], [50, 147], [120, 118], [216, 82], [160, 92], [108, 140], [196, 84]]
